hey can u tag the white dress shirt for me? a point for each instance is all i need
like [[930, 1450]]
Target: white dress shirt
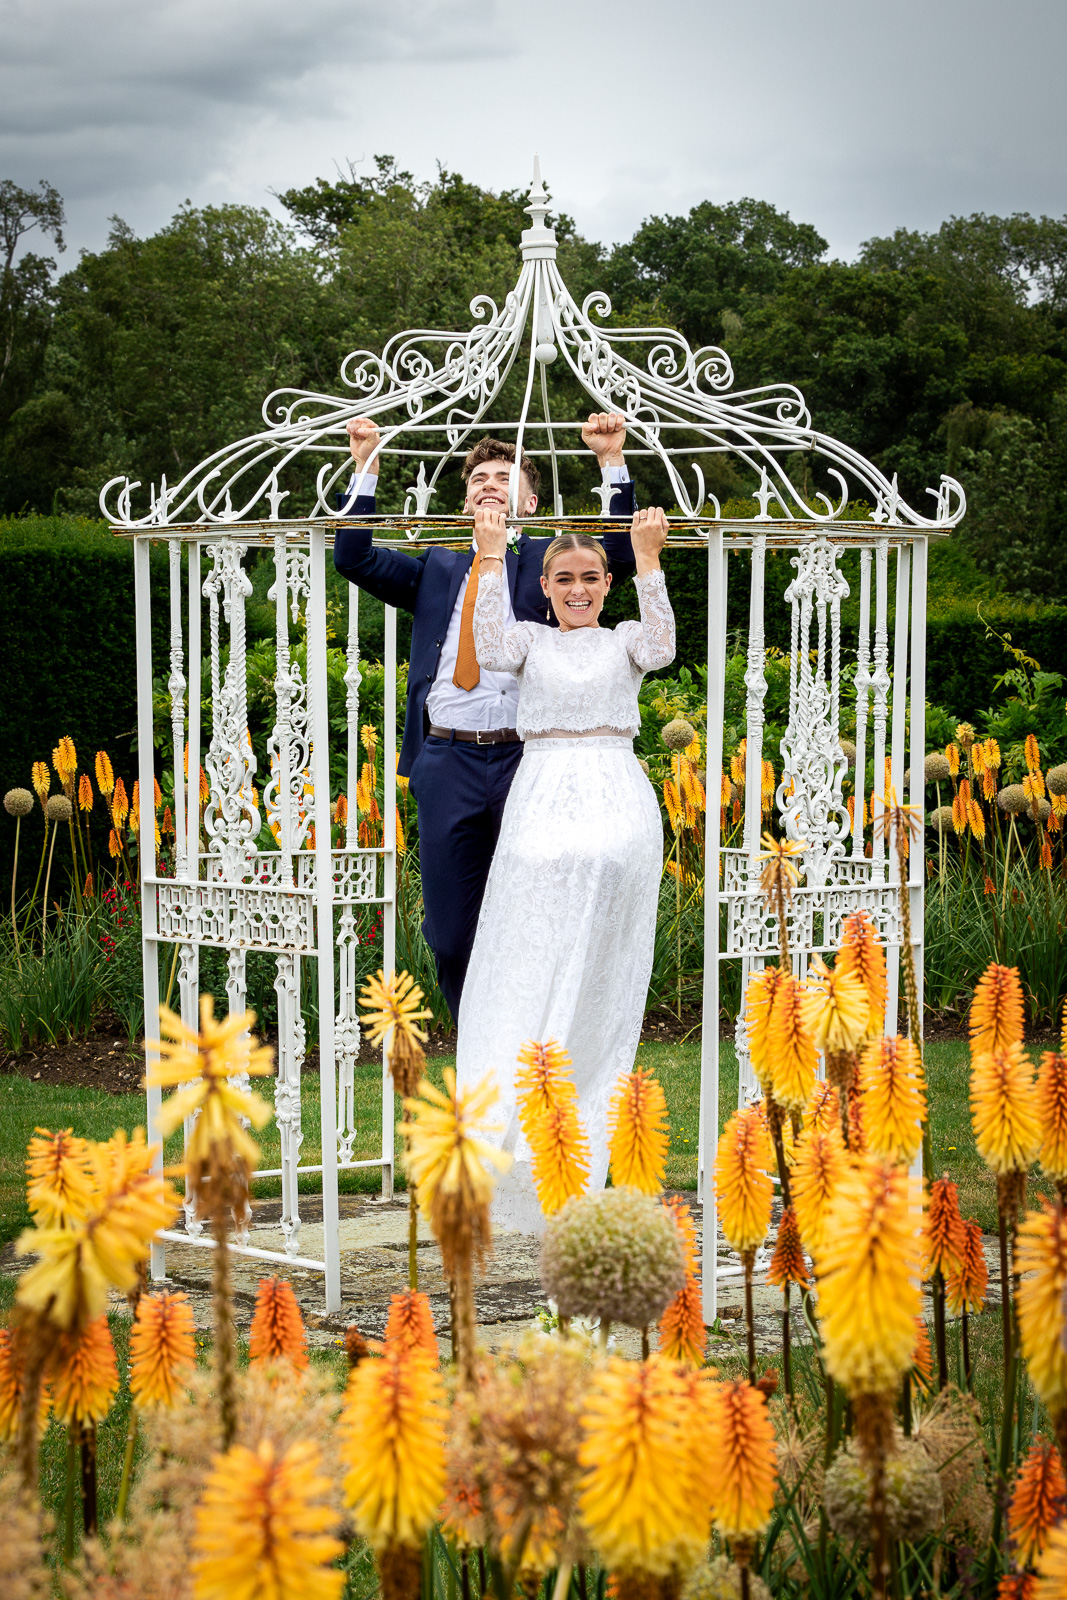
[[494, 700]]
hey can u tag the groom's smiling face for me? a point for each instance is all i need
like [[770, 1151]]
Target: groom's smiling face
[[487, 489]]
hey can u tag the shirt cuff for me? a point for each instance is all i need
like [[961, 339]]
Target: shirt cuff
[[368, 486], [615, 475]]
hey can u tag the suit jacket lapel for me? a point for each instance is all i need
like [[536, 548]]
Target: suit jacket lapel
[[511, 566]]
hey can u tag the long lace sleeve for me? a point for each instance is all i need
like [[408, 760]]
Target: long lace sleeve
[[650, 643], [498, 649]]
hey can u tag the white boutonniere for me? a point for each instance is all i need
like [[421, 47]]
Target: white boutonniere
[[514, 535]]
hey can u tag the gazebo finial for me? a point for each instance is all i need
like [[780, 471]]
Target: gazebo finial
[[539, 240]]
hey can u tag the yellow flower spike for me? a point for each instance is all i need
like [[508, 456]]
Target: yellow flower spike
[[997, 1013], [644, 1496], [547, 1103], [1032, 753], [448, 1160], [263, 1527], [162, 1349], [41, 779], [743, 1188], [1041, 1261], [791, 1045], [1052, 1114], [1004, 1109], [84, 1374], [759, 1000], [868, 1278], [638, 1134], [893, 1087], [206, 1063], [821, 1163], [781, 870], [59, 1186], [976, 819], [745, 1471], [391, 1014], [393, 1444], [836, 1008], [101, 1249], [952, 755]]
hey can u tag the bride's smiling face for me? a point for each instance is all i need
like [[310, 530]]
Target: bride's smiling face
[[577, 585]]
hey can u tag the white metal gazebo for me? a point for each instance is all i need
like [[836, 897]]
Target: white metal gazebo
[[431, 391]]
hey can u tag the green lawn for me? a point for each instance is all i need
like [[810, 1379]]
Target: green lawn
[[24, 1105]]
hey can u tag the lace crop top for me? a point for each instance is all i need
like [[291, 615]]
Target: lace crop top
[[585, 678]]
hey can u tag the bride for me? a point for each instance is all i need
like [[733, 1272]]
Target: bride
[[565, 937]]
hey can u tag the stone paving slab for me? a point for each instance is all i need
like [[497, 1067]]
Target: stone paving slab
[[374, 1265]]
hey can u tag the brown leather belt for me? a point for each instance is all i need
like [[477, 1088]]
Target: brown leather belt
[[477, 735]]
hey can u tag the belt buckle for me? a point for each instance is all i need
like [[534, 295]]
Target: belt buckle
[[478, 735]]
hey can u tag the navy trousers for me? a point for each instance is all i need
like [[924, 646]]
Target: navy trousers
[[460, 790]]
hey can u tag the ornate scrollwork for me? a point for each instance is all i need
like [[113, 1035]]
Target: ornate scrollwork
[[437, 380]]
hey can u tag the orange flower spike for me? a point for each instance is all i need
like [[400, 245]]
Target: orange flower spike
[[120, 806], [1041, 1261], [682, 1333], [1032, 753], [922, 1358], [823, 1110], [1004, 1109], [85, 793], [683, 1221], [162, 1348], [12, 1367], [741, 1444], [1052, 1114], [85, 1375], [821, 1164], [743, 1186], [759, 998], [943, 1231], [410, 1323], [1038, 1502], [952, 755], [997, 1015], [792, 1048], [277, 1332], [787, 1263], [862, 953], [637, 1132], [105, 777], [968, 1278]]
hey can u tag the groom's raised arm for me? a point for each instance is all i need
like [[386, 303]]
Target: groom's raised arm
[[386, 574], [605, 436]]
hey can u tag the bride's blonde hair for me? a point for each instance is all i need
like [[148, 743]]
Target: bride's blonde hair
[[572, 541]]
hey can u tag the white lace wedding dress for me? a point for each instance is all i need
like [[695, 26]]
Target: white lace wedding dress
[[565, 937]]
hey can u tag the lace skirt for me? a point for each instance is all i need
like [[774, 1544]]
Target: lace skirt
[[565, 940]]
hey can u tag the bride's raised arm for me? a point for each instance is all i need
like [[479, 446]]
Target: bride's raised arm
[[650, 643], [497, 647]]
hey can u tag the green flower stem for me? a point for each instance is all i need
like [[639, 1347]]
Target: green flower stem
[[68, 1498], [127, 1464]]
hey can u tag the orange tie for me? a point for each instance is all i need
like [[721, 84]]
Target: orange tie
[[467, 675]]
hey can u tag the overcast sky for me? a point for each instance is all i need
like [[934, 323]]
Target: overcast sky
[[856, 116]]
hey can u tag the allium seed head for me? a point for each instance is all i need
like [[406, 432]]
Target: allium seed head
[[615, 1255], [679, 734], [58, 808], [914, 1499], [18, 802]]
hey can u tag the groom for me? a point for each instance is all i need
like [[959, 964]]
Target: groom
[[460, 749]]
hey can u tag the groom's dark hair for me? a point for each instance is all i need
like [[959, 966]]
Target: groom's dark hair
[[497, 450]]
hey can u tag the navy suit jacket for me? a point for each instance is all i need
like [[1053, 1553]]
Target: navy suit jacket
[[427, 586]]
